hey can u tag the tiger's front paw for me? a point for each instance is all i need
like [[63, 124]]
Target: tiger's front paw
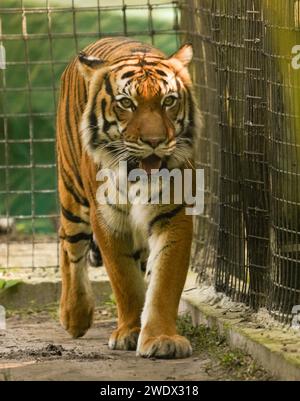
[[124, 339], [77, 318], [163, 346]]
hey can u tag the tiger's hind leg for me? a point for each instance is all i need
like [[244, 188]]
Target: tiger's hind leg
[[77, 300], [94, 255]]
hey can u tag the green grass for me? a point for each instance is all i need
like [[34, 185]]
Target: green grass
[[44, 81], [207, 342]]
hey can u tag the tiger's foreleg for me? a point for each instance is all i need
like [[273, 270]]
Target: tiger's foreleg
[[127, 283], [168, 261], [77, 300]]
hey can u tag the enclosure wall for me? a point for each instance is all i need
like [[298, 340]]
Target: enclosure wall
[[247, 243]]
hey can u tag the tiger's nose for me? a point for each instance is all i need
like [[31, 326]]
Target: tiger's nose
[[153, 141]]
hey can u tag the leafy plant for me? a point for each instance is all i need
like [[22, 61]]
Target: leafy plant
[[6, 284]]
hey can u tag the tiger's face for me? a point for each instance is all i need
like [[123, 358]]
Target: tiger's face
[[141, 111]]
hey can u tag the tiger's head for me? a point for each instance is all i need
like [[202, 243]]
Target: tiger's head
[[140, 109]]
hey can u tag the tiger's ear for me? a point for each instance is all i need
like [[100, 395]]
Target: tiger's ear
[[88, 65], [184, 54]]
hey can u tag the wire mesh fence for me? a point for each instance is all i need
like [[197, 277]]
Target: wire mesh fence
[[40, 37], [248, 84]]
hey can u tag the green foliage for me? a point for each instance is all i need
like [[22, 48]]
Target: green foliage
[[51, 309], [232, 359], [111, 304], [6, 284], [208, 342], [202, 338]]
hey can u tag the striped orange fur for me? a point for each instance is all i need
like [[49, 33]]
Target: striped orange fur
[[122, 100]]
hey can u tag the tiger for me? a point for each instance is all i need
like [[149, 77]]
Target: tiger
[[124, 100]]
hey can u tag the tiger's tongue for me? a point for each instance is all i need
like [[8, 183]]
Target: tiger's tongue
[[149, 163]]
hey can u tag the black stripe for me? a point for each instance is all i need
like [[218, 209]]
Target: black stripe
[[161, 72], [140, 63], [97, 48], [187, 134], [108, 86], [94, 62], [143, 266], [78, 260], [122, 66], [180, 121], [142, 49], [94, 255], [123, 42], [69, 130], [144, 62], [77, 237], [94, 49], [128, 74], [134, 57], [78, 178], [106, 124], [184, 105], [166, 215], [71, 217], [72, 190], [94, 246], [94, 123], [136, 255]]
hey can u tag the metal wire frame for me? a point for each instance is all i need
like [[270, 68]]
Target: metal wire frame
[[40, 38], [249, 236], [198, 26]]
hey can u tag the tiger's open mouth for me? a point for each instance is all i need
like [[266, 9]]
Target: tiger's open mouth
[[151, 162]]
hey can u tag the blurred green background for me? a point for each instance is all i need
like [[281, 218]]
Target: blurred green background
[[28, 91]]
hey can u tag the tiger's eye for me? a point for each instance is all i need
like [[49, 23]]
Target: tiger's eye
[[126, 103], [169, 101]]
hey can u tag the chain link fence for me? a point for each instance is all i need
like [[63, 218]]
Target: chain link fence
[[40, 37], [248, 85]]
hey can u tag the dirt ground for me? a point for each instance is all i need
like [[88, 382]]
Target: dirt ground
[[35, 347]]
